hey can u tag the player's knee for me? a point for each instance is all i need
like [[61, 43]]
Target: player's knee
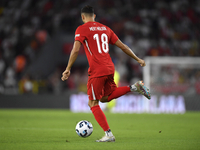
[[104, 99]]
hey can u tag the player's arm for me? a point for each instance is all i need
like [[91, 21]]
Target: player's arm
[[129, 52], [72, 58]]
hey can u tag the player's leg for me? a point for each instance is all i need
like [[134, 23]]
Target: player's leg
[[101, 119], [137, 87], [98, 114], [111, 91], [95, 92], [119, 91]]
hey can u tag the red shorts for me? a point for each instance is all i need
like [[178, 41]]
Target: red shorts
[[99, 87]]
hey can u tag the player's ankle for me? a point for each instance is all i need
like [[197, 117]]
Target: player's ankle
[[133, 88], [108, 133]]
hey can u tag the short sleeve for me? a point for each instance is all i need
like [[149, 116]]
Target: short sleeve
[[113, 37], [79, 35]]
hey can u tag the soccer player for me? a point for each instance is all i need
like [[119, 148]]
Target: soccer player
[[95, 38]]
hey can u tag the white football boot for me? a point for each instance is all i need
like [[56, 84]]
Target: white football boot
[[106, 139]]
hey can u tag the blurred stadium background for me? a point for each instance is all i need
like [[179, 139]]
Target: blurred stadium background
[[36, 37]]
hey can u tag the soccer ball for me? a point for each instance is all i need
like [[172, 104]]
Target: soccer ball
[[84, 128]]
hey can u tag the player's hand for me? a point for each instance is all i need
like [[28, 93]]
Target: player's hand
[[141, 62], [65, 75]]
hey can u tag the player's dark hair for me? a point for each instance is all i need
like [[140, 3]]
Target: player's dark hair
[[88, 10]]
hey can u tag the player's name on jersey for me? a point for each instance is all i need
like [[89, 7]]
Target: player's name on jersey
[[97, 28]]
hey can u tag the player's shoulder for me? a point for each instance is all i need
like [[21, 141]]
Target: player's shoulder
[[102, 25], [80, 29], [108, 28]]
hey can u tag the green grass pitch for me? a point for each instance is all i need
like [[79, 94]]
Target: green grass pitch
[[39, 129]]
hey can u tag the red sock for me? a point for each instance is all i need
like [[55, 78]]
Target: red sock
[[118, 92], [100, 117]]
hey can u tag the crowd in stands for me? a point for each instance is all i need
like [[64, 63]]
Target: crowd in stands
[[148, 27]]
